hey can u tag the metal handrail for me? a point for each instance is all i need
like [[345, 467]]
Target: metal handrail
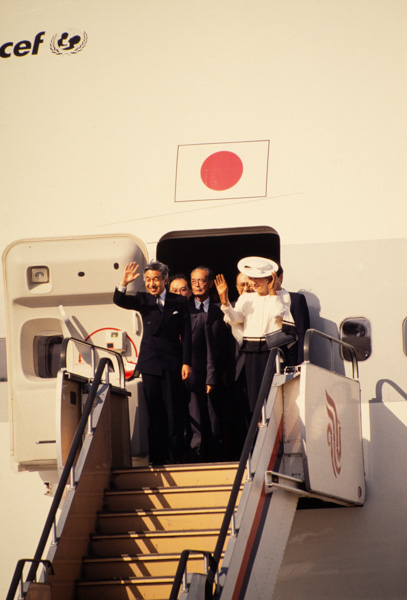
[[250, 438], [307, 340], [251, 435], [94, 349], [18, 573], [181, 574], [77, 440]]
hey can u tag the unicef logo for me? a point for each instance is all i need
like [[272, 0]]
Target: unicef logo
[[70, 41]]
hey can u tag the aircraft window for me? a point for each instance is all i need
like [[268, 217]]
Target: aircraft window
[[358, 333], [47, 352]]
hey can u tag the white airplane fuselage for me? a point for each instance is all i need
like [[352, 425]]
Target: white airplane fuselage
[[108, 115]]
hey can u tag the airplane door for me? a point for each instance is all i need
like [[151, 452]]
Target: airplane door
[[219, 249], [57, 288]]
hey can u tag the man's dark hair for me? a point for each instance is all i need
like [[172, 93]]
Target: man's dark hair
[[156, 265], [209, 273], [179, 276], [280, 271]]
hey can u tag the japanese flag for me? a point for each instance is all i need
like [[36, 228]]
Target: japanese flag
[[221, 171]]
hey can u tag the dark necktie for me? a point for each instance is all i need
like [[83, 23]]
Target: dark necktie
[[159, 303], [201, 308]]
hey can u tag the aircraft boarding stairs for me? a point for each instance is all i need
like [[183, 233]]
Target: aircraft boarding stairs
[[308, 444], [117, 531]]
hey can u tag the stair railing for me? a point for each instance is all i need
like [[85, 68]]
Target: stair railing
[[247, 448], [105, 362], [272, 367], [213, 560], [332, 341], [18, 574], [181, 574]]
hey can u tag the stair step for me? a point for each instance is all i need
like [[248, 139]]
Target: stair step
[[153, 542], [142, 565], [160, 520], [152, 514], [148, 588], [174, 475], [177, 497]]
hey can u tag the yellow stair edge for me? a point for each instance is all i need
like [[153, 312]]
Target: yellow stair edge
[[158, 533], [161, 511], [179, 467], [143, 557], [128, 581], [173, 490]]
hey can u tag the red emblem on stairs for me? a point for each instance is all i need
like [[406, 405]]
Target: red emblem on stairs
[[334, 435]]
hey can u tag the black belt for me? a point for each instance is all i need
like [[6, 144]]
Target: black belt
[[254, 345]]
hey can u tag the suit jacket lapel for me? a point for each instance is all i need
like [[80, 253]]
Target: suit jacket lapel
[[167, 311], [156, 315]]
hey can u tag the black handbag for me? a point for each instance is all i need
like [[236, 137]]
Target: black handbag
[[286, 336]]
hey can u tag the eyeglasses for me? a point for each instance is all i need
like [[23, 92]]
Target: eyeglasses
[[181, 289], [194, 281], [241, 286]]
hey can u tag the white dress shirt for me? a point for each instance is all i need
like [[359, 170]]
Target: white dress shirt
[[257, 314], [161, 298], [205, 304]]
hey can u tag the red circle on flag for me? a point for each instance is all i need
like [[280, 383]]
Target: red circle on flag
[[222, 170]]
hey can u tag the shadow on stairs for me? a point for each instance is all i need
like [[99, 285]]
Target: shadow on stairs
[[150, 515]]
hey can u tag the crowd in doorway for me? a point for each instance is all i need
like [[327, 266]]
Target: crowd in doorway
[[202, 357]]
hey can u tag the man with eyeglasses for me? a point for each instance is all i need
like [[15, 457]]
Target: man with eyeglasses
[[164, 358], [179, 285], [210, 363], [243, 284]]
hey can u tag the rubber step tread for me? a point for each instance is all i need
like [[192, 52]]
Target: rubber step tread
[[222, 466], [171, 490], [129, 580], [160, 533], [140, 557], [140, 512]]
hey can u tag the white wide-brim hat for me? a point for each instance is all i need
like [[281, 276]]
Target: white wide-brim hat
[[256, 266]]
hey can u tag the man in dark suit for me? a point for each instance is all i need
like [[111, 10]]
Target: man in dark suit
[[212, 349], [179, 284], [164, 358], [298, 307]]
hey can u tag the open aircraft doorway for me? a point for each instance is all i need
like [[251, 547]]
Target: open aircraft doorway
[[219, 249]]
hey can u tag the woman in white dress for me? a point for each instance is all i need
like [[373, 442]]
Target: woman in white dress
[[256, 314]]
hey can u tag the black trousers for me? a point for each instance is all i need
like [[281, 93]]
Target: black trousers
[[255, 364], [166, 410], [205, 426]]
